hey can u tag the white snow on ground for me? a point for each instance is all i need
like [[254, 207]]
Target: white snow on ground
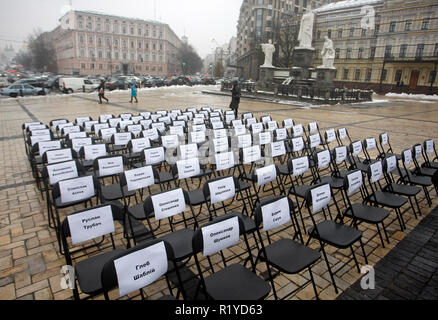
[[165, 90], [412, 96]]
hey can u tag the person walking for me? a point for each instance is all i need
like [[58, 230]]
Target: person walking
[[133, 93], [235, 94], [102, 92]]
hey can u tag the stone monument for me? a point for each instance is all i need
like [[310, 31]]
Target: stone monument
[[268, 50], [326, 72], [267, 70], [304, 53]]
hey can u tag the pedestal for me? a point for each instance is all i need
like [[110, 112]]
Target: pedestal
[[303, 57], [325, 76], [266, 77]]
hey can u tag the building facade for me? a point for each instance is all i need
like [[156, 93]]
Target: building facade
[[92, 43], [259, 21], [400, 54]]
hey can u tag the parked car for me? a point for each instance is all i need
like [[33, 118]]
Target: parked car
[[35, 82], [207, 81], [4, 82], [70, 85], [115, 84], [52, 83], [16, 90], [153, 82]]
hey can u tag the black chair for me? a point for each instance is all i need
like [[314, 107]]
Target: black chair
[[277, 215], [342, 135], [233, 281], [379, 197], [430, 154], [160, 260], [89, 259], [360, 212], [385, 149], [421, 169], [330, 232]]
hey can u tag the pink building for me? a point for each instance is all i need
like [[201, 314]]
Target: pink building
[[92, 43]]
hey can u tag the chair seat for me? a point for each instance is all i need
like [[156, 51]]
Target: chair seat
[[366, 213], [283, 169], [167, 298], [335, 183], [164, 177], [336, 234], [137, 211], [388, 199], [117, 148], [88, 271], [87, 163], [114, 192], [433, 165], [243, 185], [236, 283], [248, 223], [290, 256], [196, 197], [362, 166], [418, 180], [59, 204], [181, 242], [403, 189], [300, 191], [428, 172]]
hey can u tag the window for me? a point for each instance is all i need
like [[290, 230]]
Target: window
[[82, 65], [139, 31], [351, 31], [318, 34], [140, 58], [408, 25], [403, 49], [147, 46], [99, 54], [340, 33], [348, 54], [388, 50], [132, 44], [124, 55], [81, 39], [329, 33], [99, 41], [363, 33], [116, 55], [116, 28], [100, 66], [398, 74], [383, 76], [432, 76], [98, 27], [132, 30], [154, 47], [81, 26], [161, 46], [108, 55], [425, 24], [368, 76], [376, 31], [435, 50], [360, 53], [392, 25], [116, 43], [124, 44], [337, 53], [82, 54], [90, 39], [117, 67], [132, 57], [92, 66], [91, 53], [139, 45], [124, 29], [108, 42], [345, 74], [357, 75], [420, 50], [107, 27]]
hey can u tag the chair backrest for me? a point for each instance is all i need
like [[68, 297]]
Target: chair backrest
[[137, 267], [58, 155], [297, 130], [62, 171], [138, 145], [138, 179], [353, 182], [340, 156], [94, 151], [341, 135], [108, 166], [75, 190], [370, 144], [318, 198]]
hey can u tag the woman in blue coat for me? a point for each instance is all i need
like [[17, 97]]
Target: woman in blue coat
[[134, 93]]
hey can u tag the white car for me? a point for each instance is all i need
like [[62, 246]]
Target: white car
[[71, 85], [4, 82]]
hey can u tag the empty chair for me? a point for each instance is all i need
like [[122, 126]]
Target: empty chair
[[330, 232], [233, 281], [128, 272], [386, 148], [420, 168], [430, 154], [79, 233], [284, 254]]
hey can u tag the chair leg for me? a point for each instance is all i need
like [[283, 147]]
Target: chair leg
[[354, 258], [418, 206], [313, 284], [386, 233], [363, 251], [413, 208], [380, 235], [328, 267]]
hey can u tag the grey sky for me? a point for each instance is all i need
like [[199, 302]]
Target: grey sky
[[202, 20]]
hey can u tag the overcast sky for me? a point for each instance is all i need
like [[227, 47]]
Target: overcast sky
[[201, 20]]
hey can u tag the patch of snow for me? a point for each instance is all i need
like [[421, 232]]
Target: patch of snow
[[412, 96], [345, 4]]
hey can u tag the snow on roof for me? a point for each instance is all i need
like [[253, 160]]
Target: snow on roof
[[116, 16], [345, 4]]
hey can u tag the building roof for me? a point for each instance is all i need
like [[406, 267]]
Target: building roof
[[115, 16], [345, 5]]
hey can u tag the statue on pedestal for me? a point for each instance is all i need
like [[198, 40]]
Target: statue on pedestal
[[268, 50], [306, 29], [328, 54]]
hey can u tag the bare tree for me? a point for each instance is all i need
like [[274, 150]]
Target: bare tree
[[286, 31], [189, 59]]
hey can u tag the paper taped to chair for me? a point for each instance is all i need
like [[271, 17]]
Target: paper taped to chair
[[391, 164], [342, 133], [220, 235], [341, 154], [321, 197], [408, 157], [222, 190], [36, 139], [297, 144], [300, 166], [355, 181], [91, 224], [276, 149], [315, 140], [281, 134], [45, 146], [384, 139], [139, 178], [323, 159], [429, 147], [77, 144], [62, 171], [141, 268], [61, 155], [330, 135], [188, 168], [224, 160], [376, 171], [94, 151], [266, 174], [140, 144], [76, 189], [169, 203], [276, 214], [252, 154], [110, 166], [154, 156]]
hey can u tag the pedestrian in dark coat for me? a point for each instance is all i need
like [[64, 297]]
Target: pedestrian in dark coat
[[235, 94], [102, 92]]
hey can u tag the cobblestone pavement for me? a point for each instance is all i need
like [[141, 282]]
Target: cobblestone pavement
[[30, 262], [409, 271]]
